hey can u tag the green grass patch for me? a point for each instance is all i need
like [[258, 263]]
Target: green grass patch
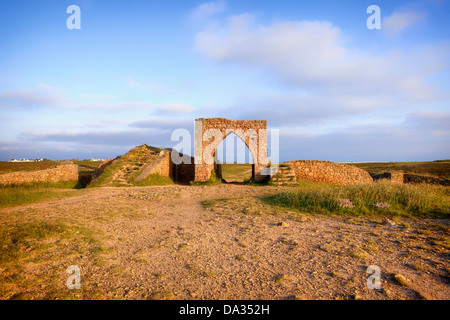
[[20, 194], [155, 180], [128, 167], [42, 242], [107, 176], [237, 172], [379, 198], [14, 239]]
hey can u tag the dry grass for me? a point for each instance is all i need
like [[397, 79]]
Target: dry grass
[[440, 169], [14, 195], [6, 167], [405, 200], [236, 172]]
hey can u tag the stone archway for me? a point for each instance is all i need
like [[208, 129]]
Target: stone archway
[[210, 132]]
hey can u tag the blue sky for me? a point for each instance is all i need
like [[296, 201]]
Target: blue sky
[[137, 70]]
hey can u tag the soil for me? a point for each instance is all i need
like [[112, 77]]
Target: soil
[[222, 242]]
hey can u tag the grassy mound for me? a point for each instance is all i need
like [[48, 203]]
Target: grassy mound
[[126, 168]]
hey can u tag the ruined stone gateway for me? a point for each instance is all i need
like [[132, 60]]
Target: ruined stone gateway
[[210, 132], [143, 161]]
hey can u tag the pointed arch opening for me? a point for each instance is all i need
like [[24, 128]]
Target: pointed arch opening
[[234, 160]]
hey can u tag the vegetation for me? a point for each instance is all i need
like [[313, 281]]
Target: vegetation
[[6, 167], [237, 172], [14, 239], [127, 167], [34, 242], [440, 168], [379, 198], [13, 195], [155, 180], [88, 163]]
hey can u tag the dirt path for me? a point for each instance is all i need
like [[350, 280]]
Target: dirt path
[[221, 242]]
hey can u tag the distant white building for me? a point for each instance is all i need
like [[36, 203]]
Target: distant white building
[[26, 160]]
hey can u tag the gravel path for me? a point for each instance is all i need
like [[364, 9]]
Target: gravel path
[[221, 242]]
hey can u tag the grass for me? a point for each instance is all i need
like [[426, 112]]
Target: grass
[[240, 257], [155, 180], [129, 166], [237, 172], [279, 278], [6, 167], [13, 195], [358, 254], [160, 295], [35, 242], [18, 240], [14, 238], [93, 165], [440, 168], [406, 200]]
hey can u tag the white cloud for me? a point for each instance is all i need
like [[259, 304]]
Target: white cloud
[[30, 98], [153, 87], [48, 97], [207, 9], [175, 108], [434, 122], [163, 124], [96, 96], [315, 55], [398, 21]]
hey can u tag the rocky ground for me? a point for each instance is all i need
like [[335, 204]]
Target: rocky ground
[[219, 242]]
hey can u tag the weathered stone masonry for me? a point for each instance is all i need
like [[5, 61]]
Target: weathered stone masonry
[[330, 172], [65, 172], [257, 144]]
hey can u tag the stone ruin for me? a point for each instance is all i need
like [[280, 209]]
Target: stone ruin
[[208, 135], [252, 132]]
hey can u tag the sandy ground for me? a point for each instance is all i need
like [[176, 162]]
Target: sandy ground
[[166, 242]]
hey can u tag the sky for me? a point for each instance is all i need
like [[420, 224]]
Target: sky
[[137, 70]]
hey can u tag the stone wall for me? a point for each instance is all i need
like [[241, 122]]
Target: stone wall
[[330, 172], [64, 172], [413, 178], [395, 176], [184, 172], [242, 128], [162, 165], [400, 177], [101, 168], [284, 175]]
